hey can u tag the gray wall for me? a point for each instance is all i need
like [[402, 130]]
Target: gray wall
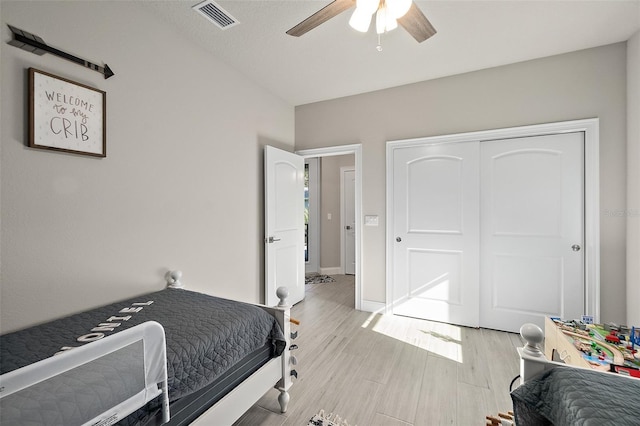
[[584, 84], [181, 187], [633, 178]]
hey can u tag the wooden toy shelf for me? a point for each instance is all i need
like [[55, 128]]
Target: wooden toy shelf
[[554, 338]]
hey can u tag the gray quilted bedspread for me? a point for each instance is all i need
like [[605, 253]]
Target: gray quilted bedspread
[[573, 396], [205, 335]]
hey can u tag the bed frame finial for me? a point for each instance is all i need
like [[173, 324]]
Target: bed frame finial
[[173, 279], [282, 293], [534, 337]]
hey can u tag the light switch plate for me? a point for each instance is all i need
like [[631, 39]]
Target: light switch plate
[[371, 220]]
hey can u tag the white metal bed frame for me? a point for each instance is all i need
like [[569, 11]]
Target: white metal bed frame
[[225, 412], [278, 370]]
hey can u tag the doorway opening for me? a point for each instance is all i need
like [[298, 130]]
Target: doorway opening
[[326, 213]]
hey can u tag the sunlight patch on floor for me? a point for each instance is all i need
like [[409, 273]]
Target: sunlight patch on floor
[[437, 338]]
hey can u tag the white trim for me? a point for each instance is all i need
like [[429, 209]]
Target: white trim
[[591, 129], [355, 149], [373, 306], [334, 270]]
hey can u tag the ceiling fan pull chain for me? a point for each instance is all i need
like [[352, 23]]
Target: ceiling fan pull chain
[[379, 46]]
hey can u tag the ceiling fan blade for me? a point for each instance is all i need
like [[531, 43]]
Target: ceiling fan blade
[[417, 24], [329, 11]]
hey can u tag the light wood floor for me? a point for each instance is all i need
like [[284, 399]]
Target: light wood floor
[[385, 370]]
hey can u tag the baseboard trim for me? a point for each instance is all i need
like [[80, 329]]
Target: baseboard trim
[[372, 306], [331, 271]]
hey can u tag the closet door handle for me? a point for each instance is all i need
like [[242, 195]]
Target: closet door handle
[[398, 239]]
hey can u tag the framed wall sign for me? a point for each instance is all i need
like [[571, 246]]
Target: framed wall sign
[[66, 116]]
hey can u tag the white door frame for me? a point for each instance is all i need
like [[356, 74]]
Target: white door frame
[[590, 127], [356, 150], [343, 224]]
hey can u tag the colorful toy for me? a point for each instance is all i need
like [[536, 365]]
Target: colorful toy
[[612, 337], [608, 347], [634, 337]]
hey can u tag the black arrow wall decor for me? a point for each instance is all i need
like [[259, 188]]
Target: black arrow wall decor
[[34, 44]]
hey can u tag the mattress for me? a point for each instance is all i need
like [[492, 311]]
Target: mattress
[[576, 396], [187, 409], [205, 335]]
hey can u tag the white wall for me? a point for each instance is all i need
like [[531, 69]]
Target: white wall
[[584, 84], [633, 179], [181, 186]]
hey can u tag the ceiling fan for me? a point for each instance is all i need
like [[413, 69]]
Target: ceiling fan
[[389, 13]]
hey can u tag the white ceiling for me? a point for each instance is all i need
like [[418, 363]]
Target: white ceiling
[[333, 61]]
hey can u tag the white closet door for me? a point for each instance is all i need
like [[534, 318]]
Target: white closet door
[[532, 230], [436, 214]]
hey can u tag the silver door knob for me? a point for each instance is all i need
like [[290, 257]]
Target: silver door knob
[[575, 247], [348, 228], [398, 239]]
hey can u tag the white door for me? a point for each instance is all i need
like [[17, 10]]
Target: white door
[[532, 212], [284, 224], [490, 233], [435, 253], [348, 220]]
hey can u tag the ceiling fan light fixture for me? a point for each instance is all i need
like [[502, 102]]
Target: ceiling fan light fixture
[[360, 20], [398, 8], [385, 21], [413, 20], [367, 6]]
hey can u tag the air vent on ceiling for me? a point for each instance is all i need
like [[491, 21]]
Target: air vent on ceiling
[[214, 13]]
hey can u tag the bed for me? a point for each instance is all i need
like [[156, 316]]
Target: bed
[[170, 357], [554, 393]]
